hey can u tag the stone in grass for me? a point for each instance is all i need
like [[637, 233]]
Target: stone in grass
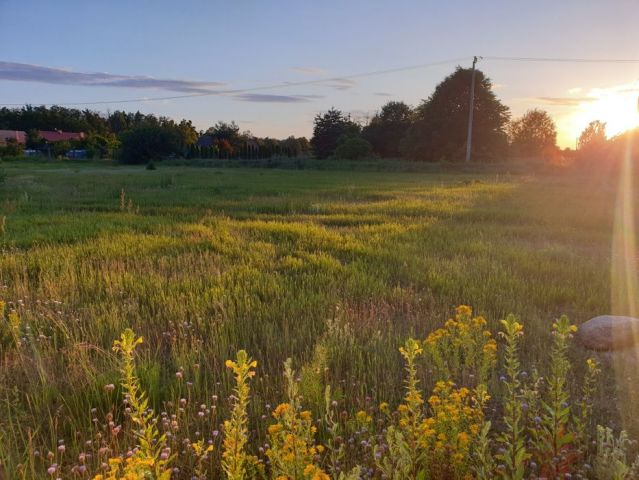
[[609, 332]]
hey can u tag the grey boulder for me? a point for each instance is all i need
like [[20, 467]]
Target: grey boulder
[[609, 332]]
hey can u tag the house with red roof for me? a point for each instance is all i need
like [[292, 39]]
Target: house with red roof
[[17, 135], [60, 136]]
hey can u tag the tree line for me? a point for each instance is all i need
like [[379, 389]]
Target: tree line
[[435, 130], [139, 138]]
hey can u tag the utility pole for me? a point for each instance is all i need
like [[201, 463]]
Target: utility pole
[[469, 136]]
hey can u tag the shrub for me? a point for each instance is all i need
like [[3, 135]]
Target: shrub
[[352, 148], [151, 142]]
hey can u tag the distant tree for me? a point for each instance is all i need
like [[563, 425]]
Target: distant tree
[[101, 146], [305, 145], [224, 147], [33, 139], [439, 129], [187, 132], [60, 149], [592, 143], [388, 127], [291, 147], [149, 142], [594, 135], [225, 131], [352, 148], [533, 134], [329, 127]]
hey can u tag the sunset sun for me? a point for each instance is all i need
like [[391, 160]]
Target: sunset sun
[[616, 106]]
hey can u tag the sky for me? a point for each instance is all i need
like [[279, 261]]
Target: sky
[[91, 51]]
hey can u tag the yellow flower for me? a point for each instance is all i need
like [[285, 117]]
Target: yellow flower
[[275, 428], [464, 310], [281, 409], [383, 407], [362, 417], [490, 347], [463, 438]]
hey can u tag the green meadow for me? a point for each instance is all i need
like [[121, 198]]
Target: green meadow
[[334, 269]]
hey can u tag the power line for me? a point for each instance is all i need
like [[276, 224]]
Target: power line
[[563, 60], [325, 81], [257, 89]]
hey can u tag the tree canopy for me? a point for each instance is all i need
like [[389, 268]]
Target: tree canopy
[[387, 128], [328, 129], [594, 135], [440, 127], [533, 133]]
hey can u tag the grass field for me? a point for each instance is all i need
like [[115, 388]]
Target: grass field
[[334, 269]]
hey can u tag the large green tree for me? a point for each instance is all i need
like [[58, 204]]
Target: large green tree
[[387, 128], [534, 133], [149, 142], [441, 122], [329, 127]]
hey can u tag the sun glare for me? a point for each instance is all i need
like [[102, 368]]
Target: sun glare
[[616, 106]]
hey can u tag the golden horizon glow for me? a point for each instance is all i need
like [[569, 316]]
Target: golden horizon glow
[[617, 106]]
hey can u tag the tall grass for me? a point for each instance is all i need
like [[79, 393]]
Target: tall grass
[[334, 271]]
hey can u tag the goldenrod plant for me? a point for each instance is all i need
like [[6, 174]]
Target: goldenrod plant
[[293, 453], [147, 460], [463, 349], [555, 451], [512, 453], [533, 428], [582, 417], [237, 463]]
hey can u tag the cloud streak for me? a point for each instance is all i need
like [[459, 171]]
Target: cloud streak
[[315, 71], [269, 98], [341, 83], [565, 101], [24, 72]]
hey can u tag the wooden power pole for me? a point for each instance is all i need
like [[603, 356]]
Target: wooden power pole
[[469, 136]]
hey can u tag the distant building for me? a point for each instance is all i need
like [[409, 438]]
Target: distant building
[[17, 135], [77, 153], [59, 136], [205, 141]]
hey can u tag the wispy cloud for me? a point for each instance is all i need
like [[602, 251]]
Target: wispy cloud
[[341, 83], [315, 71], [565, 101], [383, 94], [25, 72], [269, 98]]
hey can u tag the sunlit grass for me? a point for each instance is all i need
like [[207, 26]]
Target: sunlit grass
[[332, 269]]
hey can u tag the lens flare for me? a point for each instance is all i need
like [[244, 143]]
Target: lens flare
[[625, 288]]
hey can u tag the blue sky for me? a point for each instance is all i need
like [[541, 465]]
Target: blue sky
[[230, 45]]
